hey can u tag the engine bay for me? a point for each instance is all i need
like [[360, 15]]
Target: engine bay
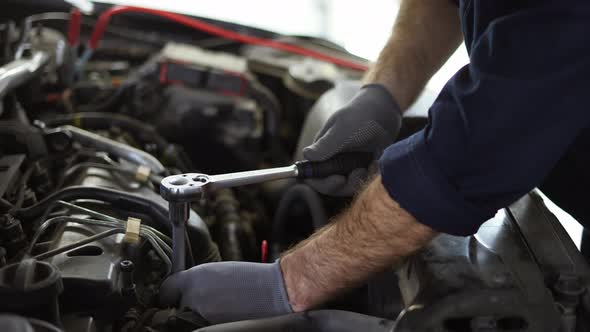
[[88, 132]]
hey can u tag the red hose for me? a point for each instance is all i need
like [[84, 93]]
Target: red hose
[[74, 27], [104, 18]]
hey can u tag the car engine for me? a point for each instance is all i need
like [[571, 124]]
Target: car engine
[[87, 133]]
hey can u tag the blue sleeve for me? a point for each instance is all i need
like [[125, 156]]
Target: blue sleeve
[[499, 125]]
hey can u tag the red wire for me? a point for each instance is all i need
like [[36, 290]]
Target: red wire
[[104, 18], [74, 27]]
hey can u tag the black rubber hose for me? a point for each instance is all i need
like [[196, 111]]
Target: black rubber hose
[[312, 201], [203, 248], [311, 321], [228, 221], [272, 113], [236, 239]]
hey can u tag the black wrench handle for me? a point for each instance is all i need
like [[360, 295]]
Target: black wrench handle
[[341, 164]]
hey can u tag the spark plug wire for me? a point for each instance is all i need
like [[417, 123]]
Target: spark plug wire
[[200, 25]]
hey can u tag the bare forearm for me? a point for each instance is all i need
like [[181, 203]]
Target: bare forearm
[[374, 233], [425, 34]]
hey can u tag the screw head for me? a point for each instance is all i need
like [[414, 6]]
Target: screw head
[[126, 266]]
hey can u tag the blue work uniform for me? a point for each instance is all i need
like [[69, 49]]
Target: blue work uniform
[[505, 122]]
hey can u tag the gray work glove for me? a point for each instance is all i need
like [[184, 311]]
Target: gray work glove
[[368, 123], [228, 291]]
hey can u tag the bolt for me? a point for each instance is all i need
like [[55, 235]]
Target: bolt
[[11, 233], [126, 267]]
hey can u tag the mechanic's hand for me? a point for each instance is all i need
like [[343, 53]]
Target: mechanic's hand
[[228, 291], [368, 123]]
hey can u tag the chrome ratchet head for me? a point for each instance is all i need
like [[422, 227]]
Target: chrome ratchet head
[[184, 187]]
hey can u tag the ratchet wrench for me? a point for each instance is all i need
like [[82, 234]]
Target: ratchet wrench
[[182, 189]]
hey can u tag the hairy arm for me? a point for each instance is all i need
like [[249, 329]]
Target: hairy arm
[[374, 233], [424, 36]]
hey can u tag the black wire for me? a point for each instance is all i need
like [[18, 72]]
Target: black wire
[[5, 205], [79, 244], [22, 185], [29, 172], [158, 212], [107, 104], [27, 175], [20, 196]]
